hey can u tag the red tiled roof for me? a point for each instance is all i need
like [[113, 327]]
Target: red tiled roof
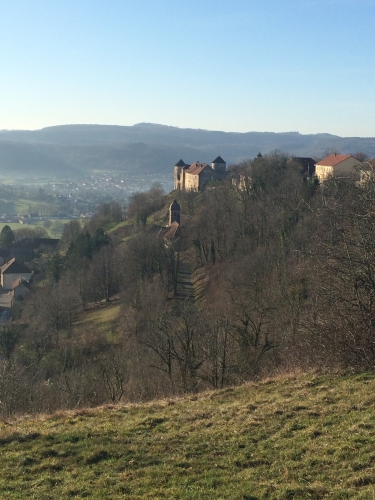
[[172, 229], [196, 168], [333, 160]]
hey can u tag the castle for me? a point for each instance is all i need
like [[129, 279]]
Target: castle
[[195, 177]]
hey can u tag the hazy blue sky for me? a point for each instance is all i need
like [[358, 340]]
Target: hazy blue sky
[[239, 65]]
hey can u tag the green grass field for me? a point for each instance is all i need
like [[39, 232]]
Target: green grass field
[[104, 317], [293, 437], [23, 207], [14, 226]]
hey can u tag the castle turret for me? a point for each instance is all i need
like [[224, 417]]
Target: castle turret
[[174, 212], [179, 175], [219, 165]]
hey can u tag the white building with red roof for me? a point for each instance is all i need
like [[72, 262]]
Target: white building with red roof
[[338, 166]]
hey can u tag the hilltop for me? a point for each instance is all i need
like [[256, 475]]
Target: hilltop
[[298, 436]]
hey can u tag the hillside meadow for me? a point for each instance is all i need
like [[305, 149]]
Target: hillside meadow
[[57, 224], [298, 436]]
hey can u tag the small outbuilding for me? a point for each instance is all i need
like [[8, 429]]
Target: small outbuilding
[[175, 212]]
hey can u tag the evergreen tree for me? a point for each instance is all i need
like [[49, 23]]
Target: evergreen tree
[[55, 267], [6, 236], [99, 239]]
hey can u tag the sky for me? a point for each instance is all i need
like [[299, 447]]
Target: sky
[[232, 65]]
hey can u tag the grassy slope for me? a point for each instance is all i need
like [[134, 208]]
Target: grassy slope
[[104, 317], [297, 437]]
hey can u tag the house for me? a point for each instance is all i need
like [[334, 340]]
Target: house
[[338, 166], [20, 288], [11, 271], [195, 177]]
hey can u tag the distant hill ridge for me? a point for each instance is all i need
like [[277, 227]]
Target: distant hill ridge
[[71, 150]]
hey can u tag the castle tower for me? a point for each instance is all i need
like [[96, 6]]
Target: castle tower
[[174, 212], [219, 165], [179, 180]]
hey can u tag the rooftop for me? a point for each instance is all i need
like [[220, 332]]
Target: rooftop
[[175, 205], [20, 281], [14, 266], [333, 160], [218, 160], [196, 168]]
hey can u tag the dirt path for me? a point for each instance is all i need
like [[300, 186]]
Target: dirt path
[[185, 287], [190, 283]]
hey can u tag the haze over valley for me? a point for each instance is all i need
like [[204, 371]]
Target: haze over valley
[[133, 157]]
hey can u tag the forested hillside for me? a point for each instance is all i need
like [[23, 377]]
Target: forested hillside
[[270, 272], [78, 150]]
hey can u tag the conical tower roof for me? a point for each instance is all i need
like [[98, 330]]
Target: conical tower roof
[[218, 160], [175, 206], [180, 163]]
